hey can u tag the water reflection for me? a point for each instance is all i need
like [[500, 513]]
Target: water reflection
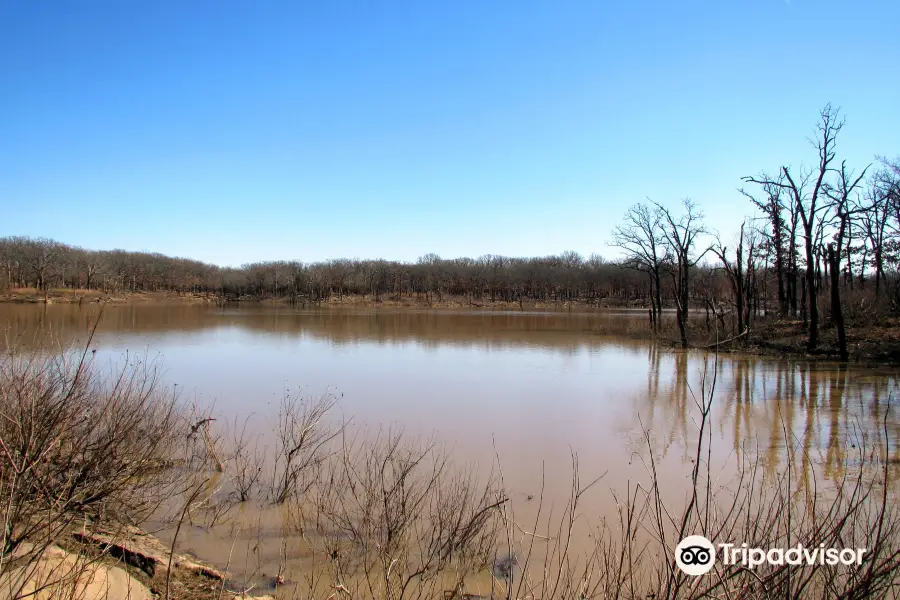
[[527, 388], [819, 414], [534, 384], [428, 329]]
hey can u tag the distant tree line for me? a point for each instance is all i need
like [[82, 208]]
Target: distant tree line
[[47, 264], [822, 234]]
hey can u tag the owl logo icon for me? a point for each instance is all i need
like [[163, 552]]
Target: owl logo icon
[[695, 555]]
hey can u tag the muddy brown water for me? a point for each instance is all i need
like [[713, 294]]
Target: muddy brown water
[[527, 389]]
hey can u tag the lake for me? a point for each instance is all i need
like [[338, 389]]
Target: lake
[[522, 390]]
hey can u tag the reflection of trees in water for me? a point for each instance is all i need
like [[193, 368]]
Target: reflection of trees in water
[[815, 415], [818, 405], [834, 456], [569, 333]]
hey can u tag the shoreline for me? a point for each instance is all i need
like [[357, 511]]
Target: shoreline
[[124, 561], [69, 296], [874, 344]]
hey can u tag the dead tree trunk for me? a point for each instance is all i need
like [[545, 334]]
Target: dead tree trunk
[[837, 314]]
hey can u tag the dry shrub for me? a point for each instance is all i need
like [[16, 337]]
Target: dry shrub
[[303, 436], [80, 445], [246, 464], [396, 518], [861, 307]]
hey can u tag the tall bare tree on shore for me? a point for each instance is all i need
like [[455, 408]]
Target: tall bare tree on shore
[[680, 234], [641, 237], [807, 193], [782, 241], [842, 195], [741, 273], [880, 218]]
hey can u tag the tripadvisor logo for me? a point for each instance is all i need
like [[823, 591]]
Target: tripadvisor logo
[[696, 555]]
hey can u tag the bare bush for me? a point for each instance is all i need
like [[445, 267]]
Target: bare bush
[[247, 462], [302, 438], [77, 444], [202, 444], [395, 518]]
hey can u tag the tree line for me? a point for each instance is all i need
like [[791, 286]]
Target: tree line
[[48, 264], [820, 234]]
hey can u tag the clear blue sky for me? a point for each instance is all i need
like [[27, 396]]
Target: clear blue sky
[[242, 131]]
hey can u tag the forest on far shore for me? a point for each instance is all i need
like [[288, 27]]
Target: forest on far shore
[[824, 245]]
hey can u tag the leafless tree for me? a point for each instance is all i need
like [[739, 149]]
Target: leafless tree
[[741, 273], [781, 236], [880, 219], [807, 192], [40, 256], [641, 237], [680, 234]]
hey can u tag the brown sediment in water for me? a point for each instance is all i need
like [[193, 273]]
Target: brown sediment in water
[[555, 382], [872, 342]]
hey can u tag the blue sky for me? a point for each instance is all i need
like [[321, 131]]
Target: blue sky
[[239, 131]]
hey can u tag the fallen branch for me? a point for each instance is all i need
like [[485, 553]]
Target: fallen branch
[[731, 339]]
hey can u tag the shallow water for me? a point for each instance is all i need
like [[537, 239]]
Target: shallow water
[[522, 390]]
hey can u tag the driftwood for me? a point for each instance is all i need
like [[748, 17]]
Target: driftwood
[[731, 339], [142, 551]]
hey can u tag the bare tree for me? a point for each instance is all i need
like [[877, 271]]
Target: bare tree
[[641, 237], [680, 234], [41, 256], [880, 217], [808, 204], [781, 238], [432, 270], [11, 257], [338, 271], [741, 274]]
